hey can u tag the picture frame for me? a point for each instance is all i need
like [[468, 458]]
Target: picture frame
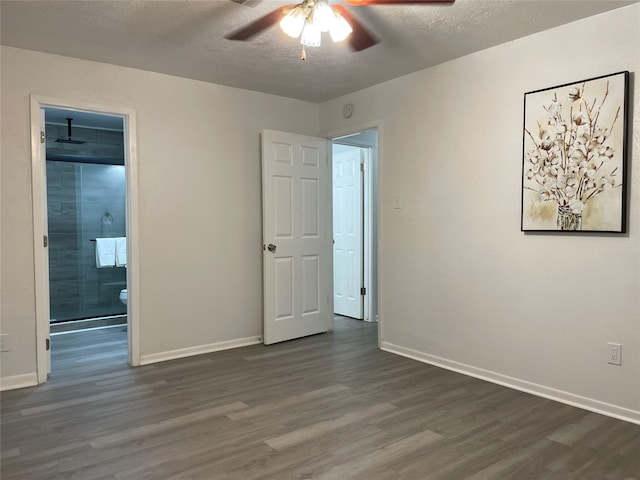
[[574, 156]]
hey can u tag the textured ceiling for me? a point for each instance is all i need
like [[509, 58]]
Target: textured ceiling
[[186, 38]]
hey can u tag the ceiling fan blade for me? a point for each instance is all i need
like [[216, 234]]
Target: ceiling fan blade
[[357, 3], [257, 26], [360, 38]]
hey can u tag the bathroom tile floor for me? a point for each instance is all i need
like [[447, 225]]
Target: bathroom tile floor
[[329, 406], [74, 325]]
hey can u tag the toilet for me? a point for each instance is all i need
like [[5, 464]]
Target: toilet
[[123, 296]]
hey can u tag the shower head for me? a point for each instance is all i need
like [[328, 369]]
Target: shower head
[[69, 140]]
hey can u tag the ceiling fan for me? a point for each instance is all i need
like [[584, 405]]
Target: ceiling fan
[[308, 19]]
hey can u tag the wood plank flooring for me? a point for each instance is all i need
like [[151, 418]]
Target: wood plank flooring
[[330, 406]]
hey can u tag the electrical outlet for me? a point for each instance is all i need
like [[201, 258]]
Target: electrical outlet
[[4, 342], [614, 353]]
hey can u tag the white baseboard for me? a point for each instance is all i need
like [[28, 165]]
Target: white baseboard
[[198, 350], [561, 396], [18, 381]]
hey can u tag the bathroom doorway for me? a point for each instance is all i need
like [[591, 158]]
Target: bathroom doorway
[[86, 204], [84, 166], [86, 213]]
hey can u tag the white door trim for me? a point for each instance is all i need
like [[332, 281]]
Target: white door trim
[[351, 130], [40, 255], [38, 179]]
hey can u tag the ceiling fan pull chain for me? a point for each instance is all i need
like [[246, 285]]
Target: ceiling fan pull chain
[[303, 56]]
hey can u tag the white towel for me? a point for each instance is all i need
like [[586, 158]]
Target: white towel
[[105, 252], [121, 251]]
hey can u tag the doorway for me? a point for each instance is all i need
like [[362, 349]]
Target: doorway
[[86, 204], [100, 175], [296, 210], [355, 225]]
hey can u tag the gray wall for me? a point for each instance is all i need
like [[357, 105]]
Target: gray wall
[[78, 195]]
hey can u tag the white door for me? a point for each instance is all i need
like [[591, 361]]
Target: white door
[[347, 232], [296, 220]]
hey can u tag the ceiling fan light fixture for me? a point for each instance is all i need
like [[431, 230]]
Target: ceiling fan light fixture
[[311, 17], [293, 22], [340, 29]]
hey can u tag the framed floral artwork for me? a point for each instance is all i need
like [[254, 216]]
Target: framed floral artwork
[[574, 156]]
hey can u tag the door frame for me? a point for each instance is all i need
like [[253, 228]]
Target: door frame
[[39, 206], [369, 200]]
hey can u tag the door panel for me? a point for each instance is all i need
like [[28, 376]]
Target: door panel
[[282, 208], [347, 233], [310, 208], [296, 235], [310, 284], [283, 279]]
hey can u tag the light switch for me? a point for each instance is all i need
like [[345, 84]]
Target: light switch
[[397, 202]]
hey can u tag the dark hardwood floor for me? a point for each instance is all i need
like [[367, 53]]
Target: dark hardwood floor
[[331, 406]]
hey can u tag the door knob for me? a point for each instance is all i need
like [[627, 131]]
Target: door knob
[[271, 247]]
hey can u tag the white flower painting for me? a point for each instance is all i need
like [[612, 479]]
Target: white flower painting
[[574, 156]]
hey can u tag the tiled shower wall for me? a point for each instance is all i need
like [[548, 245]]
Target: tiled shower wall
[[80, 197], [98, 143]]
